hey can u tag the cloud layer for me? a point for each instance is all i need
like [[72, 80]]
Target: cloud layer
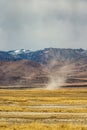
[[35, 24]]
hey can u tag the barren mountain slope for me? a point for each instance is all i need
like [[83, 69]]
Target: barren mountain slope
[[22, 73]]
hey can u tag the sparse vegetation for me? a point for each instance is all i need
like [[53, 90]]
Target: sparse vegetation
[[37, 109], [41, 126]]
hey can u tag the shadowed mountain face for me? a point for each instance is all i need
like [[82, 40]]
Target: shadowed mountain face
[[44, 56], [48, 67]]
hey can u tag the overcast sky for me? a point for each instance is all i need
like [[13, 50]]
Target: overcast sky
[[38, 24]]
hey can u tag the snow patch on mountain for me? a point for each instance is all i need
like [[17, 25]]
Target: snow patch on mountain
[[17, 52]]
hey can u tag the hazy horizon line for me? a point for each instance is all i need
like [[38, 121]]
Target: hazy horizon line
[[43, 48]]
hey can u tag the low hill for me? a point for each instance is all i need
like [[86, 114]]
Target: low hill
[[22, 74]]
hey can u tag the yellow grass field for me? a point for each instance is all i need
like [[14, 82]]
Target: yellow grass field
[[40, 109]]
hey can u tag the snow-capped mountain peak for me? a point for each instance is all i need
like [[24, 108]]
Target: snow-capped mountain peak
[[17, 52]]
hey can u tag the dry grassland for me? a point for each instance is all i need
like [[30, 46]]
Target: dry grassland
[[40, 109]]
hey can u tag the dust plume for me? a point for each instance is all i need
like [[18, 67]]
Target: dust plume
[[58, 74]]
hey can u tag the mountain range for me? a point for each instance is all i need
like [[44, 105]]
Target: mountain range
[[26, 68], [45, 55]]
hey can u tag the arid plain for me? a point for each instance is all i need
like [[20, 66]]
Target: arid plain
[[38, 109]]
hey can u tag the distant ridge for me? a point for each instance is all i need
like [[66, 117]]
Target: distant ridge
[[45, 55]]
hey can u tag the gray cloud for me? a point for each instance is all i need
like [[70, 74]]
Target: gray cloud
[[35, 24]]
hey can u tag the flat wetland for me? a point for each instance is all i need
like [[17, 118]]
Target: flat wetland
[[41, 109]]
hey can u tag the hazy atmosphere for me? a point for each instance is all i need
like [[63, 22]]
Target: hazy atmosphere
[[37, 24]]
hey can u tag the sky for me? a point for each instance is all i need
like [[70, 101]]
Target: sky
[[38, 24]]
